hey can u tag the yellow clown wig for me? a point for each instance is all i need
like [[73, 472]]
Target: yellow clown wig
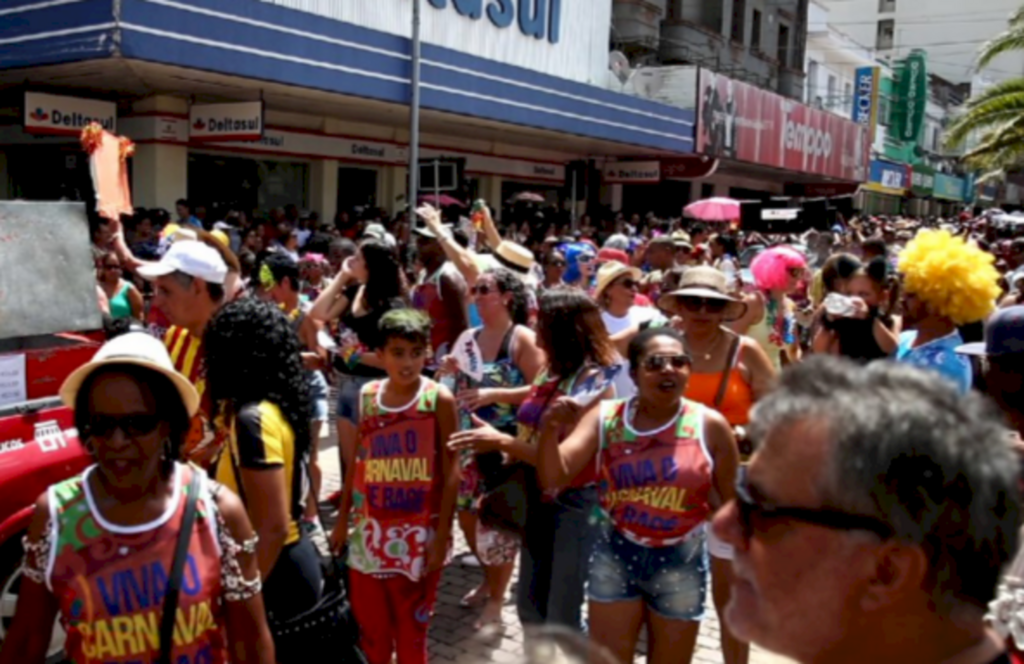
[[954, 278]]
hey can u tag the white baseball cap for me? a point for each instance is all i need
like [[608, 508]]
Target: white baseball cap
[[139, 349], [192, 258]]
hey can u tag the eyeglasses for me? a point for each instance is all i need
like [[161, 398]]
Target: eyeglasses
[[696, 304], [753, 513], [481, 289], [103, 426], [658, 362], [112, 267], [558, 263], [631, 284]]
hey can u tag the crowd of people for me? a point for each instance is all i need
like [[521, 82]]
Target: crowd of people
[[821, 429]]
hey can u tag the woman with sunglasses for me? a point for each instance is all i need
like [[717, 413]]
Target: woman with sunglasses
[[664, 464], [771, 314], [616, 291], [580, 260], [554, 268], [581, 363], [125, 299], [508, 359], [100, 547], [729, 373]]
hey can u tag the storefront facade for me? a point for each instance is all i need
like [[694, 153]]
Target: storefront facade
[[884, 192], [922, 188], [948, 194], [512, 101]]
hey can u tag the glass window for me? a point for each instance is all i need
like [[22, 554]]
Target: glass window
[[783, 49], [739, 18], [885, 34], [755, 30]]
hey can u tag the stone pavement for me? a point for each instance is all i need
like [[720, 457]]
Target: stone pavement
[[452, 638]]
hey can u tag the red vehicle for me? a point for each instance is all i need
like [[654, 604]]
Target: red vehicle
[[38, 447]]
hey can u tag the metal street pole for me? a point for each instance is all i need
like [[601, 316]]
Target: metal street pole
[[414, 115]]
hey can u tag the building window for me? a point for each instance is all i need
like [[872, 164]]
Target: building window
[[755, 30], [886, 6], [936, 139], [739, 24], [812, 81], [711, 15], [832, 83], [885, 35], [783, 48], [847, 95]]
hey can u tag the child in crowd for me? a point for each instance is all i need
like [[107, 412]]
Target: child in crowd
[[401, 492]]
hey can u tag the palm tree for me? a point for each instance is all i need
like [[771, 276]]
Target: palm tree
[[997, 113]]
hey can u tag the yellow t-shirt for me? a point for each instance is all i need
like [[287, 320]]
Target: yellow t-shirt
[[261, 438]]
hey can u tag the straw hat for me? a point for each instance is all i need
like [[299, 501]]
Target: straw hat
[[514, 256], [611, 271], [705, 282], [136, 348]]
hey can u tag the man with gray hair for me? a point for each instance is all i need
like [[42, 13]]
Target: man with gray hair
[[874, 519]]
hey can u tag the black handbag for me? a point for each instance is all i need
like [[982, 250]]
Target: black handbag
[[170, 608], [328, 628]]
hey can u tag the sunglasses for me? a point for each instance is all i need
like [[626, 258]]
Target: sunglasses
[[558, 263], [711, 305], [481, 289], [796, 272], [659, 362], [103, 426], [112, 267], [754, 514], [631, 284]]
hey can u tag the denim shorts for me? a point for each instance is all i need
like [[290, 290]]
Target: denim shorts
[[671, 580], [348, 396], [318, 394]]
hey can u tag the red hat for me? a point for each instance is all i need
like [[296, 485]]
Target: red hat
[[613, 255]]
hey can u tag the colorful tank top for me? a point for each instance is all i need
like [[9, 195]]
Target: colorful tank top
[[500, 373], [396, 493], [654, 486], [110, 580]]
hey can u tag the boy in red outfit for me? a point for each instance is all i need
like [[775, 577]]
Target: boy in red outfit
[[401, 494]]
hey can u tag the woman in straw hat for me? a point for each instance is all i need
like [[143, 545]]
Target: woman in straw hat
[[99, 550], [729, 373]]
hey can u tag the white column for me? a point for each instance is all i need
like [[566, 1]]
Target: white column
[[160, 171], [490, 191], [159, 175], [616, 197], [323, 188], [391, 185]]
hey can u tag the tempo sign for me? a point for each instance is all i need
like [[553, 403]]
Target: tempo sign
[[226, 122]]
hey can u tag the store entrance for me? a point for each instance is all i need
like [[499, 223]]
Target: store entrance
[[49, 173], [224, 183], [357, 188]]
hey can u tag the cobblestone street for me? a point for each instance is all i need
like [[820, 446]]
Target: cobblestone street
[[452, 638]]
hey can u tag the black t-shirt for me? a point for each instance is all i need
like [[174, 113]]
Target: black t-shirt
[[366, 328]]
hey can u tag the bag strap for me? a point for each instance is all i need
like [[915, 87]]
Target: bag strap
[[170, 609], [734, 348]]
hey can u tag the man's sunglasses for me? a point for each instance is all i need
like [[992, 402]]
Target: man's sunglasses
[[696, 304], [103, 426], [481, 289], [658, 362], [754, 514]]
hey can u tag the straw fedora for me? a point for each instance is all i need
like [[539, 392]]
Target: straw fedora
[[514, 256], [705, 282], [611, 271], [135, 348]]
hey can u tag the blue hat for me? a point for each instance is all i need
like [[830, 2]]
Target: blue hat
[[1004, 334]]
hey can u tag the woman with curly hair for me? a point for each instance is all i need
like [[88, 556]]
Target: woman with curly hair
[[508, 359], [261, 402], [947, 282], [771, 314]]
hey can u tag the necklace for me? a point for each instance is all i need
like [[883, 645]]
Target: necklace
[[706, 355]]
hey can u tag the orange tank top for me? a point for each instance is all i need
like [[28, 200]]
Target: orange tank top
[[736, 401]]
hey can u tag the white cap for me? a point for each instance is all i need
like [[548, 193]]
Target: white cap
[[139, 349], [191, 257]]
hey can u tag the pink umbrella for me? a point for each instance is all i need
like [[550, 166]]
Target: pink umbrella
[[714, 209], [444, 200], [528, 197]]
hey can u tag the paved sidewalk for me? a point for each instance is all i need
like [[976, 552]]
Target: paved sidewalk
[[452, 638]]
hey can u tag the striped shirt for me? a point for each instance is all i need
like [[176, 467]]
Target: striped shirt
[[186, 353]]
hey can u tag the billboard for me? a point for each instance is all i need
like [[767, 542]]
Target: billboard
[[911, 97], [865, 99], [743, 122]]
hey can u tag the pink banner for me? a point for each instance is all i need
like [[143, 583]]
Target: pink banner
[[743, 122]]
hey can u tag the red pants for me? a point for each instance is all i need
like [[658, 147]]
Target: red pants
[[393, 615]]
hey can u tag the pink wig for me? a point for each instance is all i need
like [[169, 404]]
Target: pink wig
[[771, 267]]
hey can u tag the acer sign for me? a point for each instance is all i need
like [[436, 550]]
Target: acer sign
[[742, 122]]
